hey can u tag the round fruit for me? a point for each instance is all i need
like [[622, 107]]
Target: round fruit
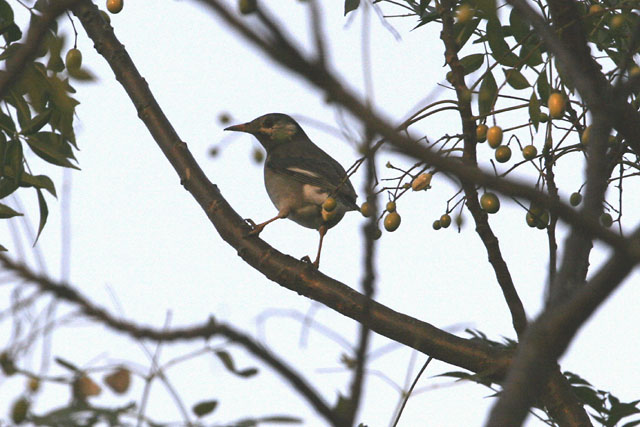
[[33, 385], [329, 204], [119, 380], [531, 220], [247, 6], [595, 9], [494, 136], [464, 13], [503, 154], [445, 220], [115, 6], [377, 234], [634, 71], [556, 104], [258, 155], [328, 215], [584, 139], [481, 132], [616, 21], [606, 220], [366, 210], [421, 182], [437, 225], [575, 199], [84, 387], [73, 60], [529, 152], [392, 221], [391, 206], [19, 410], [542, 220], [490, 203]]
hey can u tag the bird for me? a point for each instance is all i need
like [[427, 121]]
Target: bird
[[304, 183]]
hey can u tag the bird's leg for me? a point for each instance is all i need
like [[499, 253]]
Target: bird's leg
[[323, 231], [257, 228]]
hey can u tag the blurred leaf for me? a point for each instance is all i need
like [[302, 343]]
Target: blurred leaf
[[3, 249], [487, 94], [53, 148], [534, 110], [7, 212], [6, 123], [632, 424], [66, 364], [515, 79], [205, 407], [228, 363], [22, 108], [542, 85], [530, 53], [472, 62], [350, 5], [36, 123], [462, 31], [499, 47], [82, 75], [14, 158], [589, 396], [519, 27], [44, 213], [38, 181]]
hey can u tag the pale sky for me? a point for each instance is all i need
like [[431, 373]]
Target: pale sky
[[143, 247]]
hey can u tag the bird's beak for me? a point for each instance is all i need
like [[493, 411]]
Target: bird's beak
[[238, 128]]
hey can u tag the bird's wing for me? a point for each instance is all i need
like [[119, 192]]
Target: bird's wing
[[322, 173]]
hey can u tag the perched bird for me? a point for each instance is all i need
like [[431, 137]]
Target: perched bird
[[304, 183]]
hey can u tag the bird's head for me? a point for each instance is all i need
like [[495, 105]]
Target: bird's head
[[271, 129]]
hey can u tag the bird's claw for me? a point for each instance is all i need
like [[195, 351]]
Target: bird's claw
[[254, 227], [307, 260]]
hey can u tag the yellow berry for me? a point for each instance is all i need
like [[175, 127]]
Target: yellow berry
[[329, 204], [366, 210], [115, 6], [490, 203], [556, 104], [481, 132], [392, 221], [503, 154], [73, 60], [464, 13], [391, 206], [616, 21], [421, 182], [437, 225], [84, 387], [529, 152], [445, 220], [328, 215], [575, 199], [494, 136], [19, 410], [247, 6], [595, 9]]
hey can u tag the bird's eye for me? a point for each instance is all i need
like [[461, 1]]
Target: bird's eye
[[268, 123]]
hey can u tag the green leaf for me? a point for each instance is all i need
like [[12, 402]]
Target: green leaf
[[499, 47], [14, 158], [462, 31], [515, 79], [38, 181], [487, 94], [7, 186], [53, 148], [472, 62], [36, 123], [519, 27], [534, 110], [22, 108], [228, 363], [530, 53], [44, 213], [205, 407], [7, 124], [7, 212], [542, 85], [350, 5]]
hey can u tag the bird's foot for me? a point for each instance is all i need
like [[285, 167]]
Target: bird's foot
[[255, 229], [307, 260]]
